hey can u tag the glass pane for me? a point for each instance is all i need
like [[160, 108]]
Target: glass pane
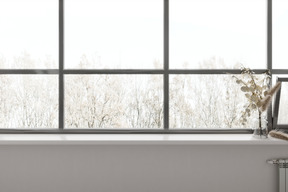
[[114, 101], [209, 34], [280, 31], [109, 34], [28, 101], [210, 101], [29, 34], [283, 105]]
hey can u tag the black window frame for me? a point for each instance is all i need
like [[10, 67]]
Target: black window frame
[[166, 72]]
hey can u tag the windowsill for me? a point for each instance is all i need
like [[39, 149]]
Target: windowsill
[[136, 139]]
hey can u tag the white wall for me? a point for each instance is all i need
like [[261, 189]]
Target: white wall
[[139, 168]]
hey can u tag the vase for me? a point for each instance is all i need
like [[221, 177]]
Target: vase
[[260, 133]]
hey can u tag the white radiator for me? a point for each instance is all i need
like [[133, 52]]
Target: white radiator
[[283, 173]]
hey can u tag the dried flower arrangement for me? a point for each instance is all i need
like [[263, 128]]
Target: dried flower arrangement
[[257, 93]]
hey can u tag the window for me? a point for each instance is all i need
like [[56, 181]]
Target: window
[[103, 34], [113, 101], [29, 34], [153, 66], [223, 34], [280, 30], [28, 54]]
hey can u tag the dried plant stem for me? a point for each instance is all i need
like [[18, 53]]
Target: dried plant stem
[[274, 89], [265, 103], [267, 100], [260, 123], [278, 134]]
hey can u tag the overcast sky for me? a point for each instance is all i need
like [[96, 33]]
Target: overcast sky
[[129, 33], [29, 25]]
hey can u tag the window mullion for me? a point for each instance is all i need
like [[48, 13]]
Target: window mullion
[[269, 54], [61, 65], [166, 64]]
